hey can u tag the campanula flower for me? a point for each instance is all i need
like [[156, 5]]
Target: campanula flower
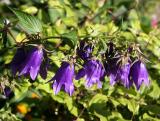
[[119, 73], [93, 72], [18, 59], [64, 78], [139, 74], [85, 50], [32, 63], [44, 66], [123, 74]]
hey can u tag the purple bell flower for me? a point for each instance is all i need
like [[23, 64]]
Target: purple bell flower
[[18, 59], [64, 78], [44, 66], [112, 70], [32, 63], [85, 50], [124, 75], [93, 72], [117, 72], [139, 74]]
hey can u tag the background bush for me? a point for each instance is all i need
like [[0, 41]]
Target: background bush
[[63, 23]]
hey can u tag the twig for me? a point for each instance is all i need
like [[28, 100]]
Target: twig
[[12, 35], [52, 37], [80, 114]]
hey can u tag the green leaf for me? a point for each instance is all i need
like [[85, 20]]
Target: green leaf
[[70, 38], [59, 97], [153, 108], [120, 11], [27, 22], [53, 14], [116, 116], [133, 106], [103, 46], [45, 87], [147, 117], [155, 93], [22, 91], [134, 22], [80, 119], [71, 105], [98, 106]]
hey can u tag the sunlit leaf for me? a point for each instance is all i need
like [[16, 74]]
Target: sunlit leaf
[[27, 22]]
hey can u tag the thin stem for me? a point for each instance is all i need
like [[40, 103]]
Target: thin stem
[[52, 37], [35, 45], [12, 35], [49, 51], [80, 114], [23, 40]]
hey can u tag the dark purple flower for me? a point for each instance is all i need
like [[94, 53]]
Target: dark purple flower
[[8, 92], [64, 78], [110, 49], [32, 63], [93, 72], [139, 74], [44, 66], [112, 70], [117, 72], [85, 50], [18, 59]]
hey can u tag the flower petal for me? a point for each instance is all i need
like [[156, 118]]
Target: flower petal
[[81, 73]]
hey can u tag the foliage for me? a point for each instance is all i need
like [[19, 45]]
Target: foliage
[[60, 25]]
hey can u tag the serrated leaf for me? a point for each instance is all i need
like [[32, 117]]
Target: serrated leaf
[[27, 22], [98, 98]]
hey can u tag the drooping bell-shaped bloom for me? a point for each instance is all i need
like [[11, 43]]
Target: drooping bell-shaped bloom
[[32, 63], [139, 74], [93, 71], [44, 66], [64, 78], [85, 50], [112, 70], [123, 74], [18, 59], [119, 73]]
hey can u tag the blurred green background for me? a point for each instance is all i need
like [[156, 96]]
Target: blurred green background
[[122, 21]]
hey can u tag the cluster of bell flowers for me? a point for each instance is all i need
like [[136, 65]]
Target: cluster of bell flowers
[[35, 61]]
